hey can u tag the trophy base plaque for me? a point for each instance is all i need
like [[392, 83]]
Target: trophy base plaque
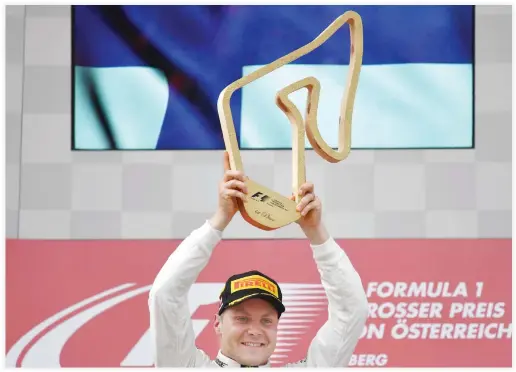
[[266, 209]]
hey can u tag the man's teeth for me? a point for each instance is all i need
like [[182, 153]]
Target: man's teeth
[[253, 344]]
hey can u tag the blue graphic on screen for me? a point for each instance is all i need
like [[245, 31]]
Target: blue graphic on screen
[[148, 77]]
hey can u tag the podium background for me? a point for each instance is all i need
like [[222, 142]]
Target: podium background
[[53, 193]]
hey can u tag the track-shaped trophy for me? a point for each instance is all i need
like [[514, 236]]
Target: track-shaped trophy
[[265, 208]]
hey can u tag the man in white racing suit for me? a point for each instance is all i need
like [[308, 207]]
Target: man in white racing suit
[[247, 321]]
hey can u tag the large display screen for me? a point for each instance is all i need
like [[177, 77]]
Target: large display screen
[[148, 77]]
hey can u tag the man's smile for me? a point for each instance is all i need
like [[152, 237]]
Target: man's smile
[[253, 344]]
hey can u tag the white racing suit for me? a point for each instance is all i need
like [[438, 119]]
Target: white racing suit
[[170, 319]]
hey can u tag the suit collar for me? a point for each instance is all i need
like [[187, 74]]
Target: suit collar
[[225, 362]]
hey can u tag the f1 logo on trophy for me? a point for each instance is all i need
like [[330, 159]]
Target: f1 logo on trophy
[[267, 209]]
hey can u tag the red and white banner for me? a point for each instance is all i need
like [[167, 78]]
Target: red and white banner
[[433, 303]]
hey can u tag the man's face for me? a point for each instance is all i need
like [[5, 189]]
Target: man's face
[[248, 331]]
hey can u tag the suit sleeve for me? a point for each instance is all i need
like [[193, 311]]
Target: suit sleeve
[[336, 340], [170, 319]]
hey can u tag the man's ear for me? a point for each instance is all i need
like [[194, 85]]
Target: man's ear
[[217, 323]]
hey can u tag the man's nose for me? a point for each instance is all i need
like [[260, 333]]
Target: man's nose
[[254, 329]]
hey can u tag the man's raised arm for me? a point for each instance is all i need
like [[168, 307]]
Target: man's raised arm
[[170, 319], [335, 342]]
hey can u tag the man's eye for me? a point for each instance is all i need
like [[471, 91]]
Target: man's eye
[[267, 321], [242, 319]]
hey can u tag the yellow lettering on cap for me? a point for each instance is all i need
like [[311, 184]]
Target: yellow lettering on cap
[[254, 281]]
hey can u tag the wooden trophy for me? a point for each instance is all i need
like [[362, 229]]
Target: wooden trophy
[[265, 208]]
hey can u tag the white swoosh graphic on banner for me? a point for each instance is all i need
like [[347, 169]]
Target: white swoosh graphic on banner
[[54, 332], [294, 321], [41, 355], [16, 350]]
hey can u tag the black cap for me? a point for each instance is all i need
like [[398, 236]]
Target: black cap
[[251, 284]]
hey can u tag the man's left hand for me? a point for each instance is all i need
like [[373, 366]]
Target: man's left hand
[[309, 206]]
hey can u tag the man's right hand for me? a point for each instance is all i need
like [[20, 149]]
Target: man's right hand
[[231, 188]]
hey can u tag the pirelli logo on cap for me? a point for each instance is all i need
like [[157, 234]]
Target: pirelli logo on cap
[[254, 281]]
